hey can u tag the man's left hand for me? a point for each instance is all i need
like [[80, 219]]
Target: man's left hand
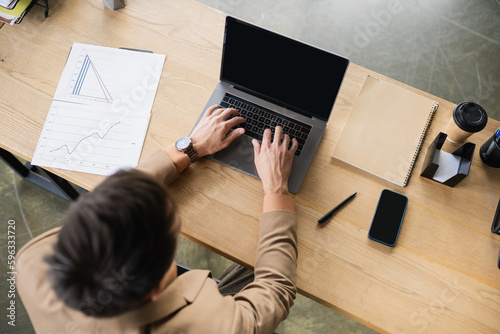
[[211, 133]]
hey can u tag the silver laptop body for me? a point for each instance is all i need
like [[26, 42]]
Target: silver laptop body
[[281, 79]]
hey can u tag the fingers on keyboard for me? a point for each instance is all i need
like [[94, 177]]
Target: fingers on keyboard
[[258, 119]]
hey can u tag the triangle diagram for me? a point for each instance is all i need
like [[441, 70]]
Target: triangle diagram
[[90, 84]]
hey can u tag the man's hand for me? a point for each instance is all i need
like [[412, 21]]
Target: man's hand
[[273, 161], [211, 133]]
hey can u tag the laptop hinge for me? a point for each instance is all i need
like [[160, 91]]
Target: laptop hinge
[[315, 119], [231, 86]]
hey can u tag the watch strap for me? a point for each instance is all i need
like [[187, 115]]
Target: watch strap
[[191, 153]]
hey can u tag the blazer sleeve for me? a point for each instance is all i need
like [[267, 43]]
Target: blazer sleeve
[[160, 166], [263, 304]]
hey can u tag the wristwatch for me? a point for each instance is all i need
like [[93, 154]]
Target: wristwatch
[[185, 145]]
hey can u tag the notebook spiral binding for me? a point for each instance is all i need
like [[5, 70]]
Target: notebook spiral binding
[[421, 140]]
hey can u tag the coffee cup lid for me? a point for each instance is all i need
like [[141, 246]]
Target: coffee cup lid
[[470, 116]]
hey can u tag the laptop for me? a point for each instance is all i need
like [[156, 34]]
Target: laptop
[[275, 80]]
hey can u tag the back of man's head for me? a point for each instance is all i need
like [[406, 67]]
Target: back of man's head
[[116, 244]]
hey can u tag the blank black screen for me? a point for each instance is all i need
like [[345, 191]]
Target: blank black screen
[[277, 68], [388, 217]]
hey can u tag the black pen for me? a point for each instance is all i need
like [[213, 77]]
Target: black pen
[[332, 211]]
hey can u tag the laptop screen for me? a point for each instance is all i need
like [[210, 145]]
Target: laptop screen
[[286, 72]]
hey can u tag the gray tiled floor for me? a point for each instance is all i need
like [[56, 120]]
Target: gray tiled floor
[[449, 48]]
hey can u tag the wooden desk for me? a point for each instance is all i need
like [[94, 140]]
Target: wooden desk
[[441, 276]]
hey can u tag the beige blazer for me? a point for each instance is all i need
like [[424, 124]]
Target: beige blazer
[[191, 303]]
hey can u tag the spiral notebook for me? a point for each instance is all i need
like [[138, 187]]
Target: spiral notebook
[[385, 130]]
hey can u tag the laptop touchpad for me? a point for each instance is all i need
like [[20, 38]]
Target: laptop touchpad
[[238, 155]]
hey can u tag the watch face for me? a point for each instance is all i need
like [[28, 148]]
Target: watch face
[[183, 143]]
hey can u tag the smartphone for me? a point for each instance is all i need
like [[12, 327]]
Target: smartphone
[[388, 217]]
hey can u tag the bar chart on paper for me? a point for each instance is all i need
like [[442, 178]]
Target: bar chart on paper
[[100, 113], [87, 82], [89, 139], [107, 76]]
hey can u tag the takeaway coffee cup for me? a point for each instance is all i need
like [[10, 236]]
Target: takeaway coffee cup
[[490, 150], [468, 118]]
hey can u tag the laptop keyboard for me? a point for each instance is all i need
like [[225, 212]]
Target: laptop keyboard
[[259, 118]]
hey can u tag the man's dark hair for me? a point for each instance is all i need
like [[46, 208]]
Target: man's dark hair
[[115, 245]]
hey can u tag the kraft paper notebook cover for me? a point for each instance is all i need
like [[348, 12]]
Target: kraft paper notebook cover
[[385, 130]]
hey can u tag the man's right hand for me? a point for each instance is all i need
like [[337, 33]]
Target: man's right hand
[[273, 160]]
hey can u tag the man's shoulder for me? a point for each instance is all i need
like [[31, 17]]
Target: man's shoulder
[[192, 282], [200, 306], [38, 246], [30, 264]]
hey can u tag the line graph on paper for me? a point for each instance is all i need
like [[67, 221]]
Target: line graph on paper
[[90, 139], [70, 151]]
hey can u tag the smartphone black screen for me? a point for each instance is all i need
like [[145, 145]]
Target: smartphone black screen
[[388, 217]]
